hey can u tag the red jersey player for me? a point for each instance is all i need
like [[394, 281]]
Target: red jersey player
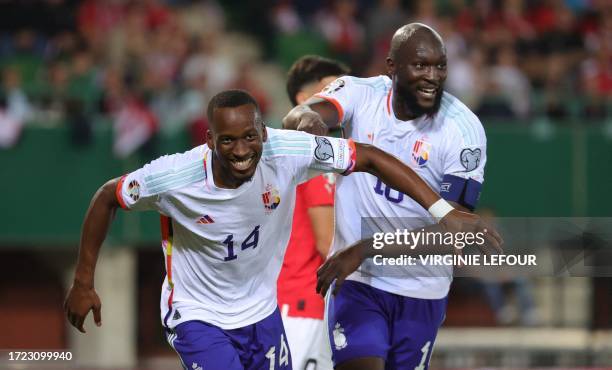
[[313, 228]]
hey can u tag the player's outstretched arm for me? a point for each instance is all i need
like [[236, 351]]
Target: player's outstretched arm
[[394, 173], [397, 175], [322, 222], [314, 116], [82, 296], [400, 177]]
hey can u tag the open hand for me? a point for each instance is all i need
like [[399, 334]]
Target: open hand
[[338, 267], [458, 221]]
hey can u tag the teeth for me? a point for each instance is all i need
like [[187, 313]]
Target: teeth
[[242, 165], [428, 91]]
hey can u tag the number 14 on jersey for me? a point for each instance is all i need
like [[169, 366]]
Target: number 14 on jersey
[[250, 242]]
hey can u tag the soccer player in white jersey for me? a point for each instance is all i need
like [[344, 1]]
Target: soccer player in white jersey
[[227, 207], [378, 321]]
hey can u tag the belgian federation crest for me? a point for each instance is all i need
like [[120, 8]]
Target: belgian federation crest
[[421, 152], [271, 198]]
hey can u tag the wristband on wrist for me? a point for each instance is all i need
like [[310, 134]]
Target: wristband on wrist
[[440, 209]]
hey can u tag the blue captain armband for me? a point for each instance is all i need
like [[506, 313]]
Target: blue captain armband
[[465, 192]]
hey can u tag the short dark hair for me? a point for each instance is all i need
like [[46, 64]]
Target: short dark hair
[[311, 68], [230, 99]]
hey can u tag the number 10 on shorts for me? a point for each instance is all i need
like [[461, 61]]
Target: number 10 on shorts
[[283, 356]]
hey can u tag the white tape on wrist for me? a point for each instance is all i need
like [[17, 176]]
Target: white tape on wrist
[[440, 209]]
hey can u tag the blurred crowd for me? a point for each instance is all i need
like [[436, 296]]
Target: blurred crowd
[[149, 66], [508, 59]]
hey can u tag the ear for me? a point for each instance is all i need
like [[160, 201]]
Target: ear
[[390, 66], [264, 134], [301, 97], [210, 140]]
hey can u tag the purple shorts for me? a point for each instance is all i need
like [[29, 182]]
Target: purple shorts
[[367, 322], [262, 345]]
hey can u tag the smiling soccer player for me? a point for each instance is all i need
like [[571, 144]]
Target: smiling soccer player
[[381, 322], [227, 209]]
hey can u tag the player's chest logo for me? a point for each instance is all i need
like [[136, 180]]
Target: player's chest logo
[[421, 151], [271, 198], [205, 220]]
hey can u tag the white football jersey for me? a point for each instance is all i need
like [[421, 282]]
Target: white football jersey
[[224, 247], [451, 142]]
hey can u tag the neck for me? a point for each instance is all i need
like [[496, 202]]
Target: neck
[[401, 108]]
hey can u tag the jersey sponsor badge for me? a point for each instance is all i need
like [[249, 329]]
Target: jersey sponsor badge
[[333, 86], [324, 150], [271, 198], [470, 159], [133, 190], [420, 152]]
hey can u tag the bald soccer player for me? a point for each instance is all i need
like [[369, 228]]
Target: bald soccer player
[[378, 320]]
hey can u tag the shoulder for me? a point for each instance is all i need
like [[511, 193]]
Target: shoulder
[[371, 84], [175, 170], [286, 143], [458, 120]]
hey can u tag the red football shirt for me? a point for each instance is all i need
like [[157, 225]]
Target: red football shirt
[[298, 277]]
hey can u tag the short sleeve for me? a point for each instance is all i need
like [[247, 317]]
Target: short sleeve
[[319, 191], [464, 161], [133, 193], [135, 190], [144, 188], [466, 153], [345, 95], [308, 155]]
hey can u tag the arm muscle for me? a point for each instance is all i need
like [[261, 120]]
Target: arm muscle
[[95, 227]]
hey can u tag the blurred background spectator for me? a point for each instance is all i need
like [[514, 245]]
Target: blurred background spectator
[[81, 61]]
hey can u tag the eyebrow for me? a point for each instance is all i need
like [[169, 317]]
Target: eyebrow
[[422, 53], [234, 135]]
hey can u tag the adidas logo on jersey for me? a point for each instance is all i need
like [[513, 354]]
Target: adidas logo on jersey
[[206, 219]]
